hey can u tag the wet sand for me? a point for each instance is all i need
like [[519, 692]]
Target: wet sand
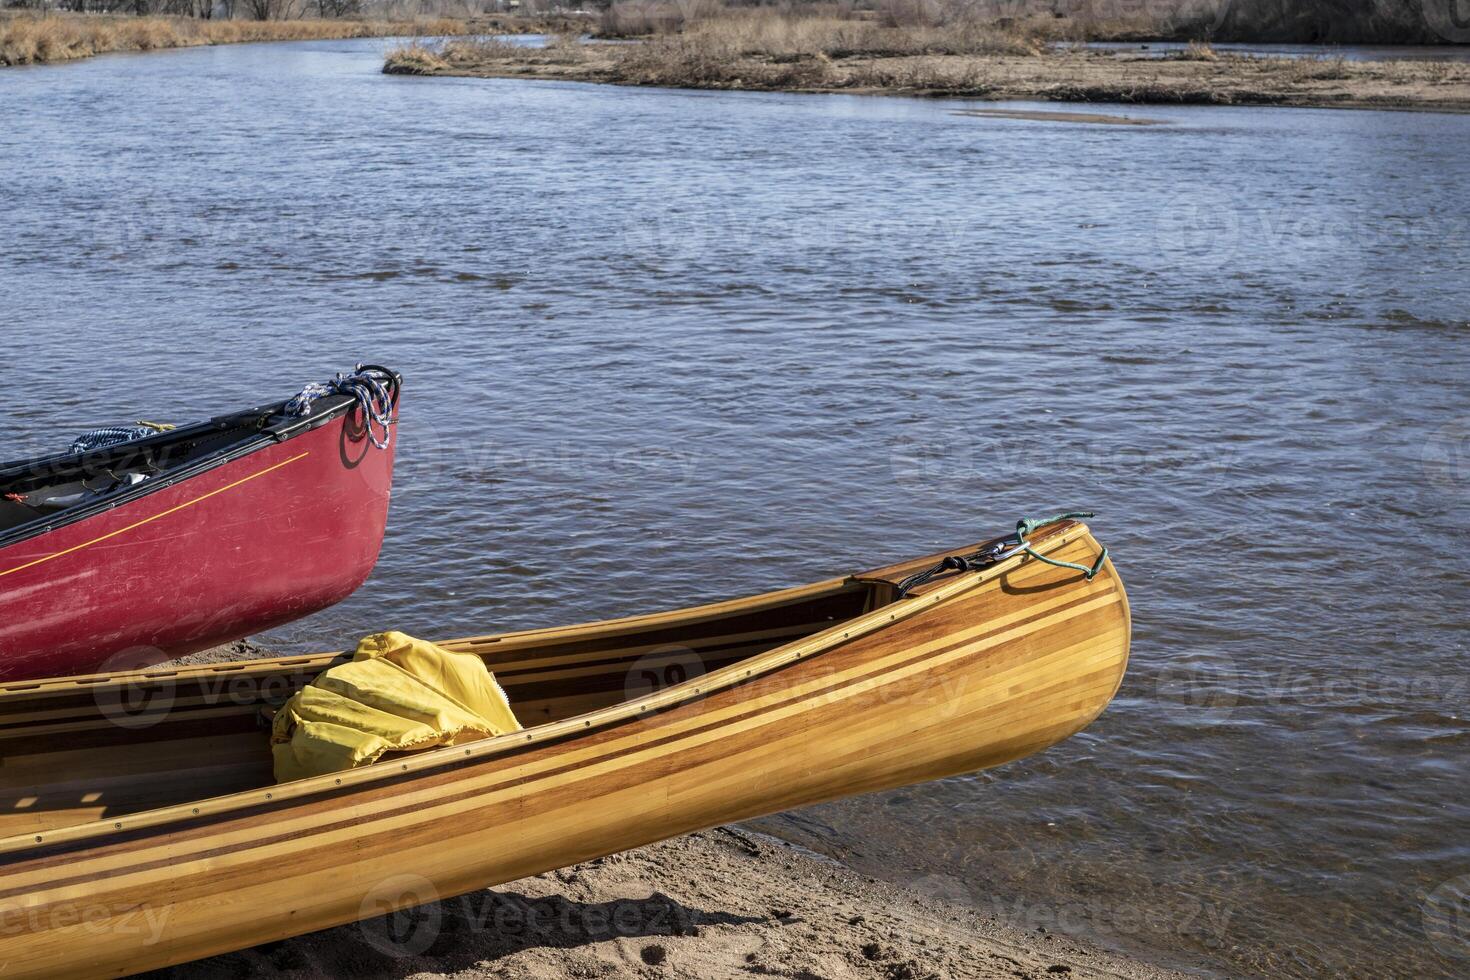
[[723, 903], [1031, 115]]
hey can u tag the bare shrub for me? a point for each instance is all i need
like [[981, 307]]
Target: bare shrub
[[414, 59], [679, 61], [912, 13], [642, 18], [1333, 68], [952, 76], [766, 31], [1197, 51]]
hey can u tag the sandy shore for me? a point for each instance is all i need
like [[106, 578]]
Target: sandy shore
[[723, 903], [1063, 75]]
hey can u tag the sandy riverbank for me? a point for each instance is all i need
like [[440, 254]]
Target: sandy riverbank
[[722, 903], [1199, 77]]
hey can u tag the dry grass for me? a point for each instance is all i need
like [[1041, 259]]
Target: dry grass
[[561, 22], [895, 28], [641, 18], [767, 32], [946, 47], [795, 48], [1301, 21], [1197, 51], [1297, 21], [1334, 68], [27, 40], [416, 59], [949, 76], [758, 50], [703, 44], [1063, 21], [693, 63], [810, 32]]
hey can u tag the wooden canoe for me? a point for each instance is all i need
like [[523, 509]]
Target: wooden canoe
[[139, 826], [153, 547]]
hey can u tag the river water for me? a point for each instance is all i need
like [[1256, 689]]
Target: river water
[[664, 346]]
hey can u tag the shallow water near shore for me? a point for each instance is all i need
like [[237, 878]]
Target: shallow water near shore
[[665, 346]]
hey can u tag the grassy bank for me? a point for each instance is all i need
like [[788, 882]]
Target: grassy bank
[[28, 39], [825, 50]]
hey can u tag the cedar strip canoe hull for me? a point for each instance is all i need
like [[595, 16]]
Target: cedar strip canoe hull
[[848, 692], [262, 539]]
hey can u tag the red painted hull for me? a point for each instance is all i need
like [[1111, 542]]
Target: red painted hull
[[256, 542]]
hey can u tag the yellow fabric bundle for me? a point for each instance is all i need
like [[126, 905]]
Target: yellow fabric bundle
[[397, 694]]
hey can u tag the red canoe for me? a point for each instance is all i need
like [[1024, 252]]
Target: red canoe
[[152, 548]]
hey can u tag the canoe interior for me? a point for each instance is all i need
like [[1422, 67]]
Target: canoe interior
[[44, 492], [42, 489], [89, 749]]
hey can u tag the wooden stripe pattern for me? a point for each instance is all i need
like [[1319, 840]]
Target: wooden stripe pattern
[[791, 698]]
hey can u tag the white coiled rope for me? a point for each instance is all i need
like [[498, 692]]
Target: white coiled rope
[[374, 390]]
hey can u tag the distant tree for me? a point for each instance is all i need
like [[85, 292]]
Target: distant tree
[[270, 9]]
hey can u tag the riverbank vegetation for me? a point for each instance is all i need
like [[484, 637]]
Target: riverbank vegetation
[[1244, 21], [825, 48], [27, 38]]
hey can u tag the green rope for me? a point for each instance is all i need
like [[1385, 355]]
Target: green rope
[[1026, 526], [997, 551]]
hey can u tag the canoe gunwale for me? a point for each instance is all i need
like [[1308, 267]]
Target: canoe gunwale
[[325, 411], [733, 675], [16, 690]]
